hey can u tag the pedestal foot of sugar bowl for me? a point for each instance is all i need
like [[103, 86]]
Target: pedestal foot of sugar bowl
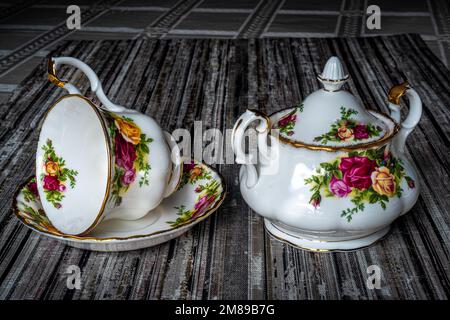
[[297, 239]]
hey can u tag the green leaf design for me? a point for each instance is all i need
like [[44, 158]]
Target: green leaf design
[[386, 164], [348, 123], [288, 128], [141, 165], [347, 113], [210, 189], [62, 175]]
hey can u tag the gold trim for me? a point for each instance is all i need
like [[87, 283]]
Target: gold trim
[[172, 167], [238, 124], [332, 90], [396, 92], [107, 141], [179, 177], [333, 80], [81, 238], [368, 145], [324, 250], [52, 74], [259, 113]]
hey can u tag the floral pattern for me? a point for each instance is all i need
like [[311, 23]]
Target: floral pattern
[[30, 191], [38, 219], [208, 193], [131, 149], [347, 129], [370, 176], [55, 176], [193, 172], [287, 123], [31, 215], [205, 195]]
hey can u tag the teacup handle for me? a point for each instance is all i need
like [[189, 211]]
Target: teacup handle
[[177, 165], [96, 85]]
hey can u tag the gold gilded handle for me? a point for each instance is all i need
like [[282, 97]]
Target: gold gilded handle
[[52, 74], [414, 114], [397, 92]]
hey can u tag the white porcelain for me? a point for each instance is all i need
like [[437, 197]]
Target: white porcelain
[[315, 245], [97, 163], [317, 114], [201, 192], [333, 75], [341, 191]]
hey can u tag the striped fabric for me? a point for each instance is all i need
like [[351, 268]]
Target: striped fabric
[[229, 256]]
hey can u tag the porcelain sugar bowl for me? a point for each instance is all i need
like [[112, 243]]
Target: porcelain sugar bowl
[[95, 163], [329, 174]]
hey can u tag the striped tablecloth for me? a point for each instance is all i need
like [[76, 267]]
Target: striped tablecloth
[[229, 256]]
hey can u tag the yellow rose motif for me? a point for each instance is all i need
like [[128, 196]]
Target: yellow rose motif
[[345, 133], [197, 171], [52, 168], [130, 132], [383, 181]]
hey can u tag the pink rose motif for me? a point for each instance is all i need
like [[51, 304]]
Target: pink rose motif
[[357, 171], [51, 183], [188, 166], [387, 156], [339, 188], [32, 186], [315, 202], [285, 121], [124, 152], [62, 188], [129, 177], [360, 131], [202, 205]]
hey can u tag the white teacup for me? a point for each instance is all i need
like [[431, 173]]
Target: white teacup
[[96, 163]]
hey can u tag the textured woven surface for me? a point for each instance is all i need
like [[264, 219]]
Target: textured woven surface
[[29, 29], [229, 255]]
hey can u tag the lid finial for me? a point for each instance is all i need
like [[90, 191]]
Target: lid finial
[[333, 75]]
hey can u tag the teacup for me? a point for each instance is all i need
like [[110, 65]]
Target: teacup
[[96, 163]]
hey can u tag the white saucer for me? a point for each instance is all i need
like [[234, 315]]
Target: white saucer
[[200, 193], [298, 241]]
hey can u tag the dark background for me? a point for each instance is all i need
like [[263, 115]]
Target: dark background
[[29, 29]]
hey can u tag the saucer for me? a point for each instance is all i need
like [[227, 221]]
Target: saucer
[[201, 191]]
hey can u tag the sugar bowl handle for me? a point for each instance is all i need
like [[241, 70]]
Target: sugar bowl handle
[[237, 138], [96, 85], [414, 114]]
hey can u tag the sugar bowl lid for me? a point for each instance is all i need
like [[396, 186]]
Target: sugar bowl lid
[[331, 116], [73, 165]]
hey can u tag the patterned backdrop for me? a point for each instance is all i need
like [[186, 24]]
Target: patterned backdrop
[[229, 255], [178, 81], [29, 29]]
